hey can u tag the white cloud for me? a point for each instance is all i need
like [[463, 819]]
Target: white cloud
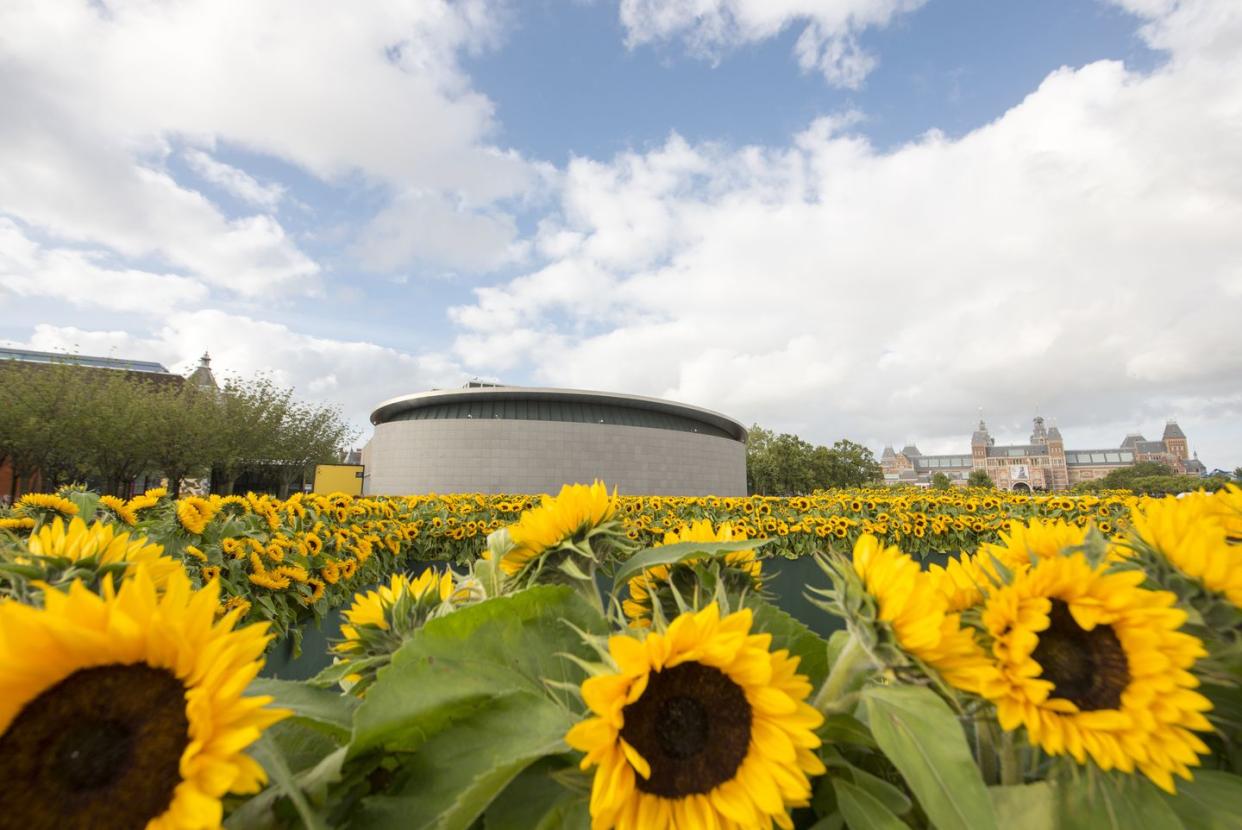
[[356, 375], [1079, 254], [79, 278], [426, 227], [97, 95], [237, 182], [828, 43]]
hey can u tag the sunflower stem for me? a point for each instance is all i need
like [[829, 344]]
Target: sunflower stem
[[852, 658], [1010, 768], [589, 589], [985, 750]]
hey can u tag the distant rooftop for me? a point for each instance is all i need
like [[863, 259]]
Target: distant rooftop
[[1172, 430], [28, 356]]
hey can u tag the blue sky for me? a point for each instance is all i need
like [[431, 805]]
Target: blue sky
[[565, 83], [861, 218]]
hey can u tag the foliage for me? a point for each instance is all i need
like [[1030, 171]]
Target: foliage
[[1155, 485], [71, 423], [940, 481], [786, 465], [980, 478], [292, 561], [470, 723]]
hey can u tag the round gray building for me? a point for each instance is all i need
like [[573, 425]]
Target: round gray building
[[513, 439]]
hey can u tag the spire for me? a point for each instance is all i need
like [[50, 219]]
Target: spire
[[202, 376], [1039, 435], [980, 435], [1172, 430]]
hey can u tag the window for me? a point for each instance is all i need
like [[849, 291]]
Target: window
[[1097, 458], [1113, 457]]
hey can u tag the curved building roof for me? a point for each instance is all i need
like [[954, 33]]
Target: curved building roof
[[544, 404]]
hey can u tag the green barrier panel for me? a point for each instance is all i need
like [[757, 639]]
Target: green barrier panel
[[786, 581], [315, 657]]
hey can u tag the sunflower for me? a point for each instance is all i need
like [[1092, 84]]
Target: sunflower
[[22, 523], [119, 509], [241, 605], [45, 502], [1093, 665], [911, 606], [741, 571], [1032, 541], [570, 517], [126, 710], [379, 622], [194, 513], [701, 726], [374, 607], [963, 580], [1191, 535], [101, 545]]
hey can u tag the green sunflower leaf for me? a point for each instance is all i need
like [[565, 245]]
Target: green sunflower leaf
[[862, 810], [671, 554], [323, 709], [457, 664], [274, 762], [453, 777], [789, 633], [1025, 807], [924, 740], [1107, 802], [535, 799], [1212, 801]]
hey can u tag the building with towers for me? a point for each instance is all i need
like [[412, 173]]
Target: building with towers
[[1041, 464]]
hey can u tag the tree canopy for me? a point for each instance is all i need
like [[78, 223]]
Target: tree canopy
[[786, 465], [979, 478], [71, 423]]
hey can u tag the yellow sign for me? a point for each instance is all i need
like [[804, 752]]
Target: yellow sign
[[338, 478]]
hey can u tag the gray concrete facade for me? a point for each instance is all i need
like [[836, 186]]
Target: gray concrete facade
[[497, 455]]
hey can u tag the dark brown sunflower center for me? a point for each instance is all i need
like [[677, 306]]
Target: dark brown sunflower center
[[100, 749], [1087, 668], [692, 725]]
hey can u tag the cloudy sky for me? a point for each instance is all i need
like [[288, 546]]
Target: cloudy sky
[[841, 218]]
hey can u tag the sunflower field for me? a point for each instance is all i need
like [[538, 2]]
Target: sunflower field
[[595, 661]]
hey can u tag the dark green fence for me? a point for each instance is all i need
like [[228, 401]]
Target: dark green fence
[[787, 582]]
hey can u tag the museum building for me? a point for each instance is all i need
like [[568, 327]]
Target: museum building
[[1042, 464]]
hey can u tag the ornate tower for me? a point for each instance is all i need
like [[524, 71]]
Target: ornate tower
[[1039, 435], [1056, 459], [202, 376], [1175, 443], [979, 443]]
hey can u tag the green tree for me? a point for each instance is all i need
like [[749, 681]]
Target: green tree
[[119, 444], [246, 425], [64, 422], [979, 478], [47, 422], [1123, 478], [183, 438], [786, 465], [310, 434], [940, 481], [777, 465]]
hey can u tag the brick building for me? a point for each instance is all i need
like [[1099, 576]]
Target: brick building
[[1041, 464]]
